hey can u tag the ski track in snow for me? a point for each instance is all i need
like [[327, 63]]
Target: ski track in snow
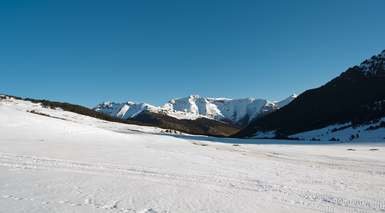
[[85, 165]]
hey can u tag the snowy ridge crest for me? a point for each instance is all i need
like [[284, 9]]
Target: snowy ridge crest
[[374, 64]]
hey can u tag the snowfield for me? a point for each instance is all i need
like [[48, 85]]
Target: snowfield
[[73, 163]]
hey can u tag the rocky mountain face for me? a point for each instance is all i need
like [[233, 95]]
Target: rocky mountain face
[[355, 97]]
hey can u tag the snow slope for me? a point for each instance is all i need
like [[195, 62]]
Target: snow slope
[[233, 110], [73, 163], [374, 131], [285, 101]]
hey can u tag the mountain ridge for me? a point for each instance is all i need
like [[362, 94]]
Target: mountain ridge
[[235, 111]]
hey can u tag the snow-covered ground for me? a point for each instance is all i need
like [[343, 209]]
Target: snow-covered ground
[[73, 163], [374, 132]]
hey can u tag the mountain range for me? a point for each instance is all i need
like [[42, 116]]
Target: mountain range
[[234, 111]]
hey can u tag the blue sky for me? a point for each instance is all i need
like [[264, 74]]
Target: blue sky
[[149, 50]]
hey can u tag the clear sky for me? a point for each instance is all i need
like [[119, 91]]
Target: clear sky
[[86, 52]]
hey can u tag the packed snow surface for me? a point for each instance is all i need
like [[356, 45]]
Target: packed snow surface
[[56, 161], [193, 107]]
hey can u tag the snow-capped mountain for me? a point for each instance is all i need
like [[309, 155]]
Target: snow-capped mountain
[[350, 106], [235, 111], [224, 109]]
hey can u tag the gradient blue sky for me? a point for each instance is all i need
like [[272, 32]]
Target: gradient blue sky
[[153, 50]]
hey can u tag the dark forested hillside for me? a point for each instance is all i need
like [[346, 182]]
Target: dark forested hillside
[[355, 96]]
